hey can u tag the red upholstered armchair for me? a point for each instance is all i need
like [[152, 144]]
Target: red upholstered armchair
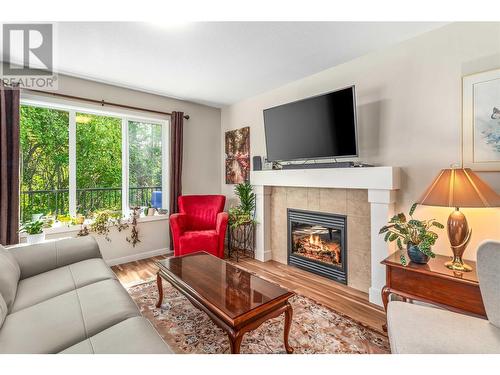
[[200, 225]]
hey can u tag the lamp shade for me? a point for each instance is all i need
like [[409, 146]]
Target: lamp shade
[[459, 188]]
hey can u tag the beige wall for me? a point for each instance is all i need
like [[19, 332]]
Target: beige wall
[[409, 111], [201, 156]]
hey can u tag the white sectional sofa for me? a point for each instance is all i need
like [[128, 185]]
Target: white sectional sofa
[[61, 297]]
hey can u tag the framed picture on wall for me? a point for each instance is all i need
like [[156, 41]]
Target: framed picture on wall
[[237, 148], [481, 121]]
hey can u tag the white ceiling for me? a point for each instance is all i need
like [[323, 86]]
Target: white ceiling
[[217, 63]]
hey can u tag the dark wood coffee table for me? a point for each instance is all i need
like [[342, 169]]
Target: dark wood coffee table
[[236, 300]]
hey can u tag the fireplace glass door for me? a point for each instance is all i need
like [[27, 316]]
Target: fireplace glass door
[[317, 243]]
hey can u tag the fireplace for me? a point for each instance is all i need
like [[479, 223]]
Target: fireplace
[[317, 243]]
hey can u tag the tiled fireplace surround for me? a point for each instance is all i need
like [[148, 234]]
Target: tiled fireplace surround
[[365, 195], [350, 202]]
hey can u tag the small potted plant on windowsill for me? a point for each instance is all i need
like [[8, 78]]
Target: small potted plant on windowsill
[[415, 234], [34, 231], [149, 210]]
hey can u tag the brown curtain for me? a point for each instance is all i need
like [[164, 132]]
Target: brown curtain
[[9, 165], [177, 121]]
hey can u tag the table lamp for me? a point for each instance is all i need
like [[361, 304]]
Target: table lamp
[[459, 188]]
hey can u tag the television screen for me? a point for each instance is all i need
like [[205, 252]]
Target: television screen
[[323, 126]]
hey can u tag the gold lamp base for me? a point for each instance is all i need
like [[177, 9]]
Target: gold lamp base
[[458, 265], [459, 235]]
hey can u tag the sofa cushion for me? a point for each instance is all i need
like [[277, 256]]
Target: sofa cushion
[[42, 257], [9, 276], [3, 310], [52, 283], [132, 336], [60, 322], [104, 304], [200, 240], [415, 329], [47, 327]]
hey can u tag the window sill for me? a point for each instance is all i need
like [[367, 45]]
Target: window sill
[[76, 228]]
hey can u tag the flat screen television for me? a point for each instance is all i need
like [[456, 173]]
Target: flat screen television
[[323, 126]]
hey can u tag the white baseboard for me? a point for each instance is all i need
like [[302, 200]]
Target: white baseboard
[[375, 296], [268, 255], [138, 256]]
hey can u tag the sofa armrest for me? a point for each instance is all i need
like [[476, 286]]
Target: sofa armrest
[[42, 257]]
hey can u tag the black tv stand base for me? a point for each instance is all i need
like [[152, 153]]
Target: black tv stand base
[[340, 164]]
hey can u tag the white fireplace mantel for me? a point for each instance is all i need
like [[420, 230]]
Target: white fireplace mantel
[[381, 183]]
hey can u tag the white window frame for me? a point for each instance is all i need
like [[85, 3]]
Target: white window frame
[[73, 107]]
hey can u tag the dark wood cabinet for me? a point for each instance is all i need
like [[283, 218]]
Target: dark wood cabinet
[[434, 283]]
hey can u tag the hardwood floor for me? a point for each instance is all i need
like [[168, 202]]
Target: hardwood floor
[[338, 297], [137, 271]]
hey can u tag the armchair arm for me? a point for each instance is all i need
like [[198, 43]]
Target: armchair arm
[[220, 228], [37, 258], [177, 227], [221, 223]]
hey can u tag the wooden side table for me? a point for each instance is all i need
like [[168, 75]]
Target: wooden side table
[[435, 284]]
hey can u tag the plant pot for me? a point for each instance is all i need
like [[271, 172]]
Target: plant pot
[[35, 238], [415, 255], [151, 211]]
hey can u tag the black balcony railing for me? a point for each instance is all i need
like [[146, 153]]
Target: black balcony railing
[[87, 200]]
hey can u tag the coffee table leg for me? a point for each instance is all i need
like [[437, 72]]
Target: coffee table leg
[[160, 289], [235, 341], [288, 324]]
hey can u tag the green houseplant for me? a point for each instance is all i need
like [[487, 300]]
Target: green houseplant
[[103, 221], [34, 230], [243, 213], [415, 234], [241, 220]]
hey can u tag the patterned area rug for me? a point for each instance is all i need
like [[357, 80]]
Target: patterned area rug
[[315, 329]]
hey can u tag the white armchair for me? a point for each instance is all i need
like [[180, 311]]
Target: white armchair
[[417, 329]]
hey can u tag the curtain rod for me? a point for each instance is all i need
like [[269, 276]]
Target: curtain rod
[[103, 103]]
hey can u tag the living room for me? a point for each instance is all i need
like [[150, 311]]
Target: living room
[[207, 187]]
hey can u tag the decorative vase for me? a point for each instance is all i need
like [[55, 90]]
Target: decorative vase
[[415, 255], [35, 238], [151, 211]]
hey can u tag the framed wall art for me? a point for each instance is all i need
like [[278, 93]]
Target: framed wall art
[[237, 148], [481, 121]]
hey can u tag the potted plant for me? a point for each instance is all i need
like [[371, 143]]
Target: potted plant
[[34, 230], [78, 219], [149, 210], [64, 219], [241, 218], [415, 234]]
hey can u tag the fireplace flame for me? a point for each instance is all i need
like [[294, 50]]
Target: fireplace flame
[[315, 240]]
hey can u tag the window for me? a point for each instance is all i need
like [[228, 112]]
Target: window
[[44, 160], [98, 163], [81, 160], [145, 161]]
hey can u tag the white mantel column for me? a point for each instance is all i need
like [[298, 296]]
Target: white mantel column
[[263, 227], [382, 209]]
